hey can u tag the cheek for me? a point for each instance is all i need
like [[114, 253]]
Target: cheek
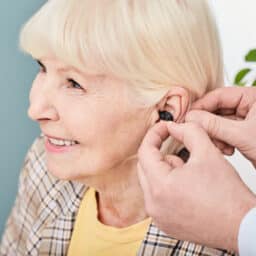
[[92, 122]]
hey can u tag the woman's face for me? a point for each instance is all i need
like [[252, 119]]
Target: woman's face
[[94, 112]]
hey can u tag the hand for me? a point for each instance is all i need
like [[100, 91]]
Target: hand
[[203, 200], [237, 126]]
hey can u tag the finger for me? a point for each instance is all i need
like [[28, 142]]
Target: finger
[[217, 127], [145, 184], [236, 98], [219, 144], [218, 99], [252, 112], [174, 161], [190, 135], [223, 147], [151, 159]]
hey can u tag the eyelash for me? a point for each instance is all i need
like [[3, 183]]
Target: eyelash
[[74, 84]]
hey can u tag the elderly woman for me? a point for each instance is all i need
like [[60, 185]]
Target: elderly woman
[[107, 68]]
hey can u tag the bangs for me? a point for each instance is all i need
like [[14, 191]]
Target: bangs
[[119, 38], [152, 45], [88, 35], [60, 29]]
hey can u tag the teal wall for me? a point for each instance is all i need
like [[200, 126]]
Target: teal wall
[[17, 72]]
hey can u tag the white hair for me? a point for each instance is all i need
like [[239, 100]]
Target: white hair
[[153, 44]]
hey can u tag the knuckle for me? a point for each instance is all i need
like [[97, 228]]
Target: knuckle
[[213, 126], [191, 126]]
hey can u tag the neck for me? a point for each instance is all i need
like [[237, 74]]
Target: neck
[[120, 198]]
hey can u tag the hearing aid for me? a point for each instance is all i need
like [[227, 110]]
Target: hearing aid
[[183, 153], [165, 115]]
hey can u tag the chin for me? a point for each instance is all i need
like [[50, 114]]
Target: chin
[[67, 173], [58, 172]]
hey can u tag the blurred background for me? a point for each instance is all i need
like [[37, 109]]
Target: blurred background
[[17, 72], [236, 24]]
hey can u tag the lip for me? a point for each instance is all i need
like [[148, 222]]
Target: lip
[[57, 149], [53, 137]]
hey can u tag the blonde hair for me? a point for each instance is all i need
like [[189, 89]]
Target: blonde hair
[[151, 44]]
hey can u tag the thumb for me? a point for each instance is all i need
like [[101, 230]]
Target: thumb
[[190, 134], [217, 127]]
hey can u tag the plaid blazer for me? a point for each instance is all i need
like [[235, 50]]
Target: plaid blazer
[[42, 219]]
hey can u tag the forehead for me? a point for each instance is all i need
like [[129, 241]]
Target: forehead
[[52, 62], [60, 66]]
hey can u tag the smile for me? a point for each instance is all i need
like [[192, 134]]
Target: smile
[[62, 142], [55, 145]]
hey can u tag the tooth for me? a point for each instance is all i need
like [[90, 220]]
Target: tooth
[[62, 142], [59, 142], [67, 143]]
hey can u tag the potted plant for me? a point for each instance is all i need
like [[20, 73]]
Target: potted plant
[[247, 76]]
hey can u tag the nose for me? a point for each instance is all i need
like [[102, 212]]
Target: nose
[[42, 105]]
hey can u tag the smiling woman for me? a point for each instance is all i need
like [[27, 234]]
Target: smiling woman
[[107, 68]]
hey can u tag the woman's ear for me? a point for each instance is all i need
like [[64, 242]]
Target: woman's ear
[[176, 101]]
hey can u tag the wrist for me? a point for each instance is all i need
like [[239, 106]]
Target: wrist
[[234, 220], [245, 207]]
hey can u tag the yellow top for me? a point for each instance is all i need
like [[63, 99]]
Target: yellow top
[[91, 237]]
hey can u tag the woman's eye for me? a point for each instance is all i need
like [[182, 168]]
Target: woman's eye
[[75, 85]]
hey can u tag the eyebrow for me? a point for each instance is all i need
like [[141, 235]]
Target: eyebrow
[[65, 69], [59, 69]]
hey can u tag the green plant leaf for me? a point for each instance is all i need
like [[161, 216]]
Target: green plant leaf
[[254, 83], [240, 84], [251, 56], [240, 75]]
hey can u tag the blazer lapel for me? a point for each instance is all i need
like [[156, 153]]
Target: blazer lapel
[[52, 231]]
